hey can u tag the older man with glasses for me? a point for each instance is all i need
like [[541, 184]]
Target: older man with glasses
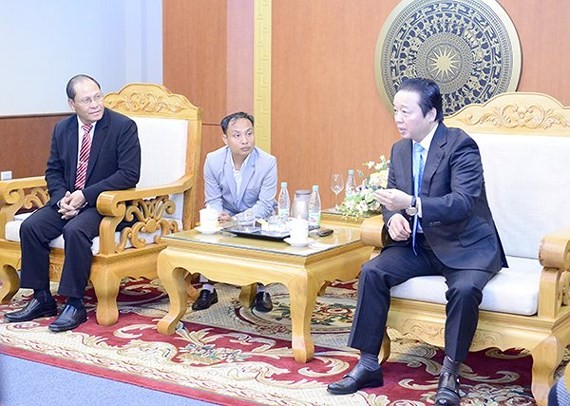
[[94, 150]]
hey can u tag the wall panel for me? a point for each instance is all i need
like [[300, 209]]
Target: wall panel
[[195, 63], [545, 41], [326, 112], [26, 143]]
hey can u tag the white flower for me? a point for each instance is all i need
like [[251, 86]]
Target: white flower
[[363, 200], [378, 179], [362, 206]]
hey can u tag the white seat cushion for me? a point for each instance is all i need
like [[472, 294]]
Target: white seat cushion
[[13, 234], [513, 290]]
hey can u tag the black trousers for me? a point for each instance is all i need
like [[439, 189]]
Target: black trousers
[[39, 229], [397, 264]]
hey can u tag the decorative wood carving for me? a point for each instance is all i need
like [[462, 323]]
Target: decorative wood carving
[[521, 112], [149, 216], [150, 99]]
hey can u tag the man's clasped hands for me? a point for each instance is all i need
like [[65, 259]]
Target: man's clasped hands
[[71, 204]]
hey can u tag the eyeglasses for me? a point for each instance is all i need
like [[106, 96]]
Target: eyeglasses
[[88, 100]]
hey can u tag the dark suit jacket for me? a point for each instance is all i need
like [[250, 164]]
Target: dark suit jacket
[[114, 160], [456, 219]]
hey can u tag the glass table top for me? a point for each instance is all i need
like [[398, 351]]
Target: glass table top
[[341, 236]]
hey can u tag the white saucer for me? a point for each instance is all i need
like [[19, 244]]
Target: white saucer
[[298, 243], [208, 230]]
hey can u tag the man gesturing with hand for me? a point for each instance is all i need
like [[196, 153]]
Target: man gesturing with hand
[[437, 222]]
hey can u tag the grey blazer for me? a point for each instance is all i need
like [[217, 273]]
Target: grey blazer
[[258, 187]]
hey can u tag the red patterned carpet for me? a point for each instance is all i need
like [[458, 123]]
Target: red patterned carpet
[[233, 356]]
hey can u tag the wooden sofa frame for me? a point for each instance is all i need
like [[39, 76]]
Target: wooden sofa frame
[[149, 206], [545, 334]]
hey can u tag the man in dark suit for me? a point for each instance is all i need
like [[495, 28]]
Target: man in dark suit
[[437, 222], [94, 150]]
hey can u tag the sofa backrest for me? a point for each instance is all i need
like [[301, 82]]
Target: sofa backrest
[[524, 140], [163, 154], [163, 150], [528, 187], [169, 128]]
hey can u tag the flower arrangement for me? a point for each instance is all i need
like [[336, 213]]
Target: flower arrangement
[[363, 200]]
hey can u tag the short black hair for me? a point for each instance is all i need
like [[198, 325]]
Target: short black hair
[[227, 120], [430, 96], [70, 88]]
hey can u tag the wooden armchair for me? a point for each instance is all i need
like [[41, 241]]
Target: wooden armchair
[[163, 202], [524, 140]]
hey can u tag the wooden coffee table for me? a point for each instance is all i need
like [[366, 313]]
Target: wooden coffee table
[[246, 261]]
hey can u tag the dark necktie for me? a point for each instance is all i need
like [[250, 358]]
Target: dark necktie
[[83, 157]]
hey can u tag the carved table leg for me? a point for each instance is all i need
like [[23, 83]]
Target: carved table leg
[[191, 292], [172, 279], [323, 288], [303, 294], [247, 295]]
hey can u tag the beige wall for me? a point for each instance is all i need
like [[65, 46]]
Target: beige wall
[[25, 143], [326, 112]]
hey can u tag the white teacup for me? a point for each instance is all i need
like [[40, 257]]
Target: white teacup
[[299, 230], [208, 219]]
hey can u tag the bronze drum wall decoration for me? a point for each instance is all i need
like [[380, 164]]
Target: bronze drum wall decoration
[[469, 47]]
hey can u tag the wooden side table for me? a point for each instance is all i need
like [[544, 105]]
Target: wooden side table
[[246, 261]]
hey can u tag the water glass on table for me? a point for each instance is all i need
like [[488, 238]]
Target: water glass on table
[[246, 220], [337, 185]]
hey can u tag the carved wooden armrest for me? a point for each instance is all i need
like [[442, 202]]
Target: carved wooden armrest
[[145, 208], [554, 256], [371, 231], [18, 194]]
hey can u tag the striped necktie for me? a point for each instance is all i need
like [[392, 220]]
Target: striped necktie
[[83, 158]]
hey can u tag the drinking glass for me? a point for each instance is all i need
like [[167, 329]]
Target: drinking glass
[[246, 220], [337, 184]]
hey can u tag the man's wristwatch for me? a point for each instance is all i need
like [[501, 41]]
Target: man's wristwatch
[[412, 210]]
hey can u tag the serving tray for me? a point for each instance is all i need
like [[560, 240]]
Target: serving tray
[[257, 232]]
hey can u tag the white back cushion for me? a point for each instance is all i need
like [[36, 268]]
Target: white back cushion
[[163, 150], [528, 187], [163, 146]]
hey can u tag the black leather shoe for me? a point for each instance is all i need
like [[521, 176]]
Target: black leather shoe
[[448, 390], [263, 302], [357, 379], [70, 318], [33, 310], [205, 300]]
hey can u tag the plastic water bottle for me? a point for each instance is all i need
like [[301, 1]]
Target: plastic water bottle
[[350, 187], [283, 202], [315, 208]]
